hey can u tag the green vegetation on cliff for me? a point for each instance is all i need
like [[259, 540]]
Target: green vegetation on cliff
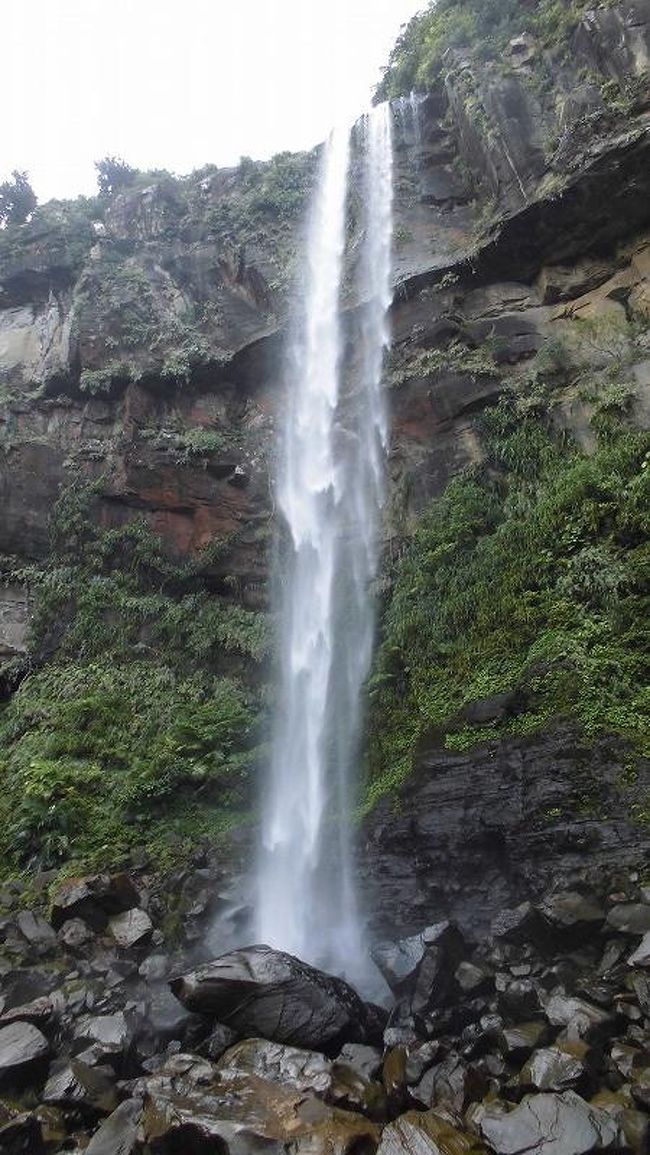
[[99, 758], [527, 579], [139, 732], [485, 26]]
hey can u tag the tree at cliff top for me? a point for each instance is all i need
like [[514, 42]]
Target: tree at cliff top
[[17, 199], [113, 174]]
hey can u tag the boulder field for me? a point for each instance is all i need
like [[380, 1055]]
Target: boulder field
[[532, 1036]]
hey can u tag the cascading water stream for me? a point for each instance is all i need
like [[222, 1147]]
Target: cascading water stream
[[329, 495]]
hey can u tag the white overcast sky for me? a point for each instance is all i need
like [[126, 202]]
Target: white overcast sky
[[181, 83]]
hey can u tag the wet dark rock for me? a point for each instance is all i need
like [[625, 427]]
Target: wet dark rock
[[23, 1050], [636, 1129], [450, 1083], [473, 979], [420, 1058], [433, 983], [155, 968], [521, 924], [641, 956], [38, 933], [119, 1134], [75, 934], [492, 709], [640, 1086], [640, 984], [574, 914], [627, 1059], [401, 1028], [110, 1035], [132, 928], [550, 1124], [366, 1061], [394, 1078], [552, 1069], [399, 961], [189, 1105], [290, 1066], [470, 837], [218, 1041], [517, 1042], [20, 1133], [630, 918], [94, 899], [351, 1090], [518, 997], [76, 1084], [265, 993], [582, 1019], [38, 1012]]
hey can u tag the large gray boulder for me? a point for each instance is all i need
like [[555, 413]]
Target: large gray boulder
[[552, 1125], [265, 993]]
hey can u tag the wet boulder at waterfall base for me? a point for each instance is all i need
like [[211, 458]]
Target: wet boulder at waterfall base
[[266, 993]]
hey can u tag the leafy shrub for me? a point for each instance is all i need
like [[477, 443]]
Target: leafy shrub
[[99, 757], [527, 575], [17, 199]]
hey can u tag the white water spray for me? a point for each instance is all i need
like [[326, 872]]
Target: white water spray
[[329, 495]]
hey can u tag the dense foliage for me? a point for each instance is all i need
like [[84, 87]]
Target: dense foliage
[[486, 26], [135, 734], [101, 757], [527, 576]]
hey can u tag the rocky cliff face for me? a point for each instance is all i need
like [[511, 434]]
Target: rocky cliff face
[[141, 368], [505, 829]]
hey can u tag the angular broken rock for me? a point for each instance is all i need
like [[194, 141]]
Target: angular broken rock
[[109, 1033], [398, 961], [119, 1134], [36, 930], [552, 1125], [571, 912], [424, 1133], [630, 918], [22, 1051], [132, 928], [517, 1042], [77, 1083], [520, 924], [551, 1069], [582, 1018], [38, 1012], [94, 899], [190, 1106], [292, 1067], [75, 934], [265, 993], [641, 956]]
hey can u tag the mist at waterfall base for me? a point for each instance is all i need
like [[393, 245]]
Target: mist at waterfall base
[[329, 495]]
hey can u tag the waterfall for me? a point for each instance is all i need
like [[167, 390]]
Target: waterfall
[[329, 497]]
